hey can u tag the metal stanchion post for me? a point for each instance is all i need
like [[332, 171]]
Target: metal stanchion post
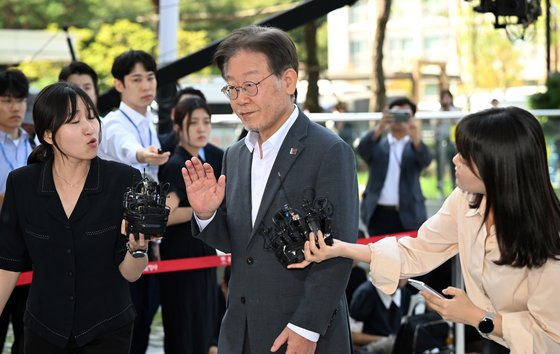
[[457, 280]]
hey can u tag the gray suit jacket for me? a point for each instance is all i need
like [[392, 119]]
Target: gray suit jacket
[[412, 208], [264, 296]]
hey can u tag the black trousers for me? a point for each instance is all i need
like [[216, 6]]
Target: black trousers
[[116, 342], [13, 312], [385, 220], [145, 297]]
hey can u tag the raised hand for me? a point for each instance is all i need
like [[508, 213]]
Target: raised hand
[[205, 194]]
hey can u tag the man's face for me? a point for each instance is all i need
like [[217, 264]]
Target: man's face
[[446, 101], [271, 106], [85, 82], [138, 89], [12, 111]]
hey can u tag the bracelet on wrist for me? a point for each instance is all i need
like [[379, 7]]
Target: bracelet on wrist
[[139, 253]]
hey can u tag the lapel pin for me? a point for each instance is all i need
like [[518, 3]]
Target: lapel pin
[[293, 151]]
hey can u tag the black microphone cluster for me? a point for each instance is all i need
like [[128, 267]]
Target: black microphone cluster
[[291, 228], [144, 208]]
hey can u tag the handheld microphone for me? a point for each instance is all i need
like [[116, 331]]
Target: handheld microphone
[[291, 227]]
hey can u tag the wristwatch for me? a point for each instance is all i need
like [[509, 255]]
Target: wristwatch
[[139, 253], [486, 325]]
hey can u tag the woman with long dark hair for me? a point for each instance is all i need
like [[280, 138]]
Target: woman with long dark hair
[[503, 220], [66, 222], [188, 298]]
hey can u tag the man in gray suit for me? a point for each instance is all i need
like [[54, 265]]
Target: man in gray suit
[[284, 155], [393, 200]]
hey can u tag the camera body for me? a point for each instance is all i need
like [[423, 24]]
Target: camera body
[[291, 229], [144, 208], [400, 116]]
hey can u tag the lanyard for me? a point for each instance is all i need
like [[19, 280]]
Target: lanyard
[[10, 163], [137, 130]]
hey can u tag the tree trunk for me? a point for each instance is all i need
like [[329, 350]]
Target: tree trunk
[[312, 65], [378, 95]]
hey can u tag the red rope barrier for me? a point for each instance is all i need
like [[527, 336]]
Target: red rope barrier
[[175, 265]]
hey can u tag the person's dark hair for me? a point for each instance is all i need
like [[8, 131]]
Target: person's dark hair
[[403, 101], [184, 110], [14, 83], [125, 62], [443, 93], [274, 43], [507, 147], [80, 68], [188, 91], [55, 106]]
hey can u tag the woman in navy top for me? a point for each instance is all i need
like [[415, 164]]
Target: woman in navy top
[[188, 298]]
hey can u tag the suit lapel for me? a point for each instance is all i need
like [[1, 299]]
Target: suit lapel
[[243, 201], [289, 151]]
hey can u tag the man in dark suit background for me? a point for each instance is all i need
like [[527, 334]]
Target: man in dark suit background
[[393, 200], [282, 159]]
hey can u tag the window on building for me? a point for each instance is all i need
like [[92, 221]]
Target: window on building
[[358, 12], [360, 53], [438, 8]]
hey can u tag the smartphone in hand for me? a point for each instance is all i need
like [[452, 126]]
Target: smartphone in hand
[[423, 287]]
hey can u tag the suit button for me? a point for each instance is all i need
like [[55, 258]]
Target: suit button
[[243, 299], [71, 298], [68, 250], [250, 260], [70, 274]]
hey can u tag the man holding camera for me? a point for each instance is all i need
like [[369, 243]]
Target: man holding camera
[[393, 200]]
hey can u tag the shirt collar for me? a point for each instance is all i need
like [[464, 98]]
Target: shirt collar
[[388, 299], [278, 137], [91, 185], [5, 136], [136, 117], [391, 139]]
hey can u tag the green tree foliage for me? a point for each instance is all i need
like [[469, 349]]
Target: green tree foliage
[[38, 14], [112, 40], [549, 99], [98, 49], [104, 29]]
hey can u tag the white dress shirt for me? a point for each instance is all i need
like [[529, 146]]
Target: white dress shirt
[[126, 131], [260, 171], [390, 192], [13, 154]]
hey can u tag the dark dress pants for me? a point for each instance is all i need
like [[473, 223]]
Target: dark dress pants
[[385, 220], [145, 297]]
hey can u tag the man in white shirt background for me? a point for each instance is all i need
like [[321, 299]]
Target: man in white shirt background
[[395, 155], [128, 135]]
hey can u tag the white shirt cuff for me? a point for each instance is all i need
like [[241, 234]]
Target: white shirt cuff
[[309, 335], [203, 223]]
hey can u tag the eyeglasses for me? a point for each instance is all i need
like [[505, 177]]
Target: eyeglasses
[[250, 88]]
